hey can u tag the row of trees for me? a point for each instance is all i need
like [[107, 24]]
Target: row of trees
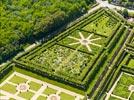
[[26, 20]]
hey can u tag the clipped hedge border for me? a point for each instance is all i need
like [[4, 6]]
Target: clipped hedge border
[[5, 70], [118, 26], [117, 15], [112, 76], [116, 37], [49, 75], [92, 63], [127, 70], [108, 76]]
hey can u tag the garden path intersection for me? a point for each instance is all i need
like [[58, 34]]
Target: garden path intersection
[[24, 87], [85, 41], [130, 88]]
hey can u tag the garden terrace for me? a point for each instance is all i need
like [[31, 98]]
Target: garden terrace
[[75, 56]]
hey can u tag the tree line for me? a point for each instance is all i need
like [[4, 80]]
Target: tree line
[[24, 21]]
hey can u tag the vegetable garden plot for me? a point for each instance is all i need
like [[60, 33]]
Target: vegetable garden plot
[[103, 25], [62, 60], [123, 89], [22, 87]]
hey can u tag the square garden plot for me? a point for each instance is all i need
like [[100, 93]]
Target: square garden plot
[[103, 25], [131, 63], [61, 60], [124, 88], [29, 88]]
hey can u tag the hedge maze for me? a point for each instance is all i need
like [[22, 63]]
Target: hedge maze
[[89, 55]]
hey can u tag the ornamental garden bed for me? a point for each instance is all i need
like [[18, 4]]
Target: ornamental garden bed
[[78, 57], [123, 88], [122, 78], [70, 56], [18, 86]]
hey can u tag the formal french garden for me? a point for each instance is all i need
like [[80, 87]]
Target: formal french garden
[[84, 61]]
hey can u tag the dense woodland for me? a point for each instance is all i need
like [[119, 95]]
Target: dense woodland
[[23, 21]]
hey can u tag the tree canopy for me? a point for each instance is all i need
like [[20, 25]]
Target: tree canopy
[[21, 20]]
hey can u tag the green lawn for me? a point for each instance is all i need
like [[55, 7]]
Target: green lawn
[[121, 90], [126, 80], [41, 98], [132, 96], [65, 96], [34, 86], [49, 91], [9, 88], [1, 94], [17, 79], [113, 98], [26, 95]]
